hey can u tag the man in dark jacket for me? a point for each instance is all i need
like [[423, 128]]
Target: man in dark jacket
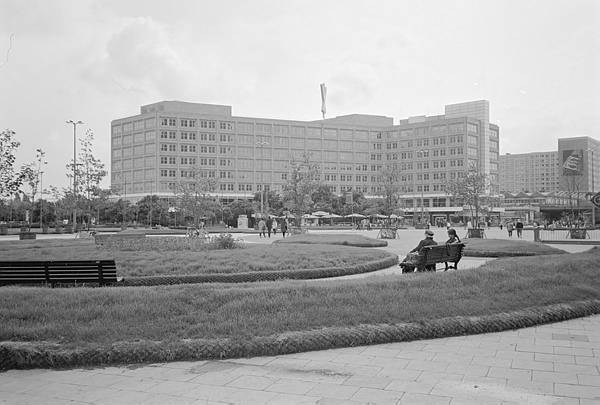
[[428, 241], [269, 225]]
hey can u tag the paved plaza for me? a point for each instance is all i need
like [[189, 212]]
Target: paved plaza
[[550, 364]]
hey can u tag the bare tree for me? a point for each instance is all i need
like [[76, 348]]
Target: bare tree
[[470, 190], [389, 177], [304, 179]]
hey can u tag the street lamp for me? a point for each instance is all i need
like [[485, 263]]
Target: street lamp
[[40, 158], [74, 123], [261, 145]]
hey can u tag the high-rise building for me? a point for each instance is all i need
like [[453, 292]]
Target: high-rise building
[[172, 142], [529, 172], [579, 160]]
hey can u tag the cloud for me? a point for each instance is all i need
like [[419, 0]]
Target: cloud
[[142, 57]]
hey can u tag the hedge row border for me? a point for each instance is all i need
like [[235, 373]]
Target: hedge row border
[[255, 276], [375, 244], [18, 355], [484, 253]]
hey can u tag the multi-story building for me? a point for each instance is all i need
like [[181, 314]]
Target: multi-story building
[[172, 142], [579, 160], [529, 172]]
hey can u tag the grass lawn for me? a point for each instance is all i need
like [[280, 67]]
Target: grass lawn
[[100, 316], [334, 239], [504, 248], [183, 262]]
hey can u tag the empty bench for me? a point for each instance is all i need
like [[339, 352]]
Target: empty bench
[[101, 272]]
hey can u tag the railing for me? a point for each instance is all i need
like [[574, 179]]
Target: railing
[[569, 234]]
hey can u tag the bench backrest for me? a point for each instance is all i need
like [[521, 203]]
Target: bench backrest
[[57, 272], [442, 253]]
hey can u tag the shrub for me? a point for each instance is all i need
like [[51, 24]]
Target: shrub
[[173, 243]]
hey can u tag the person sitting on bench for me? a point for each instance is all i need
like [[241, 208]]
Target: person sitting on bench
[[413, 258]]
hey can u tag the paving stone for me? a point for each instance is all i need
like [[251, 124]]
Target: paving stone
[[336, 391], [532, 365], [292, 399], [582, 391], [554, 377], [251, 382], [509, 373], [555, 358], [372, 395], [576, 369], [585, 379], [286, 386], [419, 399], [367, 382], [415, 387]]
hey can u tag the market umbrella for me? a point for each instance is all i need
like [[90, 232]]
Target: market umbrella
[[320, 213], [355, 216]]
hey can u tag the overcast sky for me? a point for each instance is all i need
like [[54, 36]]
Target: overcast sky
[[537, 62]]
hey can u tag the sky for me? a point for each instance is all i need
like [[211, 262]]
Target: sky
[[537, 62]]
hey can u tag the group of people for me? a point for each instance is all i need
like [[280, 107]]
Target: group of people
[[412, 260], [511, 226], [265, 227]]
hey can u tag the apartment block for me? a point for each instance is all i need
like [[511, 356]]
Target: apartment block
[[529, 172]]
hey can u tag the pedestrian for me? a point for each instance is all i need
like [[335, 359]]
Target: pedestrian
[[269, 225], [509, 228], [519, 228], [262, 226], [284, 227], [501, 225], [274, 226]]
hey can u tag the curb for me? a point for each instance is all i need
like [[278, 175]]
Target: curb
[[299, 274], [21, 355]]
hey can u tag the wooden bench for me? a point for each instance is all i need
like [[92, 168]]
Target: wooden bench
[[446, 253], [431, 255], [100, 272]]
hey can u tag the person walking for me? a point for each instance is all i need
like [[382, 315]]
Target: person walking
[[269, 225], [519, 228], [261, 228], [509, 228], [274, 226], [284, 227]]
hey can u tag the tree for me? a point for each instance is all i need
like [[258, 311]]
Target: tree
[[193, 195], [324, 199], [10, 182], [470, 189], [304, 179], [389, 177], [89, 172]]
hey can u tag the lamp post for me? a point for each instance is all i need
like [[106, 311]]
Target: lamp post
[[74, 123], [261, 145], [40, 158]]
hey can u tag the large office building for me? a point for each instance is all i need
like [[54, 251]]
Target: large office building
[[529, 172], [172, 142], [573, 168]]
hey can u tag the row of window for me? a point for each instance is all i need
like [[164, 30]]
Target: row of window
[[193, 123], [191, 148], [192, 136]]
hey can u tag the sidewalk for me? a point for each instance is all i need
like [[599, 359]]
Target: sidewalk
[[551, 364]]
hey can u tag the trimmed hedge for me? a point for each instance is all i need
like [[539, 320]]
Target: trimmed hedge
[[20, 355], [300, 274]]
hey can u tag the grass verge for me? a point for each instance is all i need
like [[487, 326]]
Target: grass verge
[[335, 239], [98, 320], [256, 258], [506, 248]]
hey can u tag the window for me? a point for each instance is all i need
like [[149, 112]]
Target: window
[[226, 125]]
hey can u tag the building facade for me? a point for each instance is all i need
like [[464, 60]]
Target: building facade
[[529, 172], [172, 142], [579, 164]]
